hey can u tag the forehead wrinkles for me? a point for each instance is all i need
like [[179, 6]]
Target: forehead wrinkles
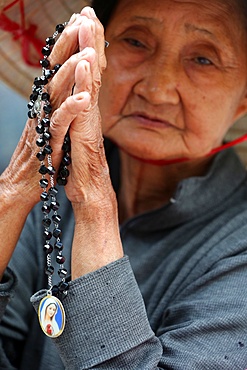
[[218, 9], [226, 10], [224, 13]]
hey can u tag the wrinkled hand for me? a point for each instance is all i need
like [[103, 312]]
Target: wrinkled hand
[[96, 238], [74, 98], [80, 50], [81, 72]]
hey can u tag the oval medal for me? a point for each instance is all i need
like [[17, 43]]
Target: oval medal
[[51, 316]]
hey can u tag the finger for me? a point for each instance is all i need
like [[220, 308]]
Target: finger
[[63, 117], [86, 33], [98, 36], [98, 62], [66, 79], [83, 75], [68, 43]]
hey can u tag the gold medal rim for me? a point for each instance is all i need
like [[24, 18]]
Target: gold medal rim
[[63, 316]]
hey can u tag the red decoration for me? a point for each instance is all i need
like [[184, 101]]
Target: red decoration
[[26, 35], [164, 162], [49, 329]]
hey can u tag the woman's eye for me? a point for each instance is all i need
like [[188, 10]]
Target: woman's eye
[[134, 42], [203, 61]]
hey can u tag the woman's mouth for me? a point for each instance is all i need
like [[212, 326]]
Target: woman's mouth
[[150, 121]]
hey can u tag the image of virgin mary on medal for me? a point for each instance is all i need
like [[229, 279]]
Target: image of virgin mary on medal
[[51, 316]]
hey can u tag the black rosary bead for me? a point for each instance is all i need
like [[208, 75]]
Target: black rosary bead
[[66, 161], [63, 286], [47, 235], [40, 142], [55, 290], [56, 219], [66, 147], [30, 105], [61, 181], [60, 28], [43, 183], [40, 81], [39, 129], [57, 233], [45, 96], [45, 122], [43, 169], [37, 81], [46, 51], [54, 205], [57, 67], [31, 114], [44, 196], [46, 135], [60, 259], [46, 222], [47, 149], [51, 170], [62, 273], [47, 108], [40, 156], [48, 73], [53, 191], [49, 270], [34, 96], [64, 172], [50, 41], [48, 248], [46, 209], [59, 246], [45, 63]]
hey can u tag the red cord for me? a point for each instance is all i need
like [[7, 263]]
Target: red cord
[[163, 162]]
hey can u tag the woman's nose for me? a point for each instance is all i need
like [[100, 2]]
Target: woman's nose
[[158, 85]]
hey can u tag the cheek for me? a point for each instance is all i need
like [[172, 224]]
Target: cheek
[[206, 122], [209, 112], [214, 102], [115, 90]]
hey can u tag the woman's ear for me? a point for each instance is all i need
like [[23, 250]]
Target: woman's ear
[[242, 108]]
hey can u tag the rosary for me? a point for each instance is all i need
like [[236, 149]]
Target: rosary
[[51, 312]]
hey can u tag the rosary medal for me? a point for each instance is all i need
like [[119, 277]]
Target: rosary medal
[[51, 316]]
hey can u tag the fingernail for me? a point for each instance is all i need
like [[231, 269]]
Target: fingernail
[[92, 12], [73, 18]]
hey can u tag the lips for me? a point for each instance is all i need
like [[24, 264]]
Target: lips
[[147, 120]]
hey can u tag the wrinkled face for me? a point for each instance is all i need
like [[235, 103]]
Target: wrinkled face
[[51, 309], [176, 76]]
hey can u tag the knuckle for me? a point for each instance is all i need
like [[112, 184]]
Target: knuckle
[[90, 52]]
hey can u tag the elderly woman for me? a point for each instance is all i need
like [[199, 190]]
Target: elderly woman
[[157, 216]]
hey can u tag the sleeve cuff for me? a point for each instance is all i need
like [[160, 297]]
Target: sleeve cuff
[[8, 283], [7, 288], [105, 316]]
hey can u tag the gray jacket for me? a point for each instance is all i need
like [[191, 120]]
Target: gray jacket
[[177, 300]]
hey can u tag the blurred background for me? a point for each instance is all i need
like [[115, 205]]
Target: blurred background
[[13, 114]]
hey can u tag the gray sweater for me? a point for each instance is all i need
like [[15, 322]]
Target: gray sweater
[[177, 300]]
